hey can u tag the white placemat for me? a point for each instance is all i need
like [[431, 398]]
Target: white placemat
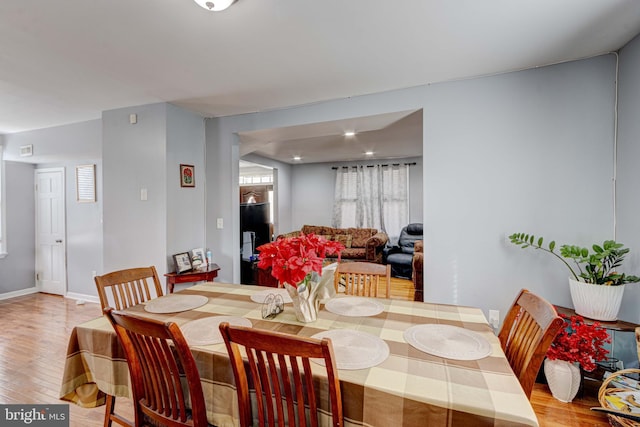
[[354, 306], [354, 349], [450, 342], [260, 296], [206, 331], [175, 303]]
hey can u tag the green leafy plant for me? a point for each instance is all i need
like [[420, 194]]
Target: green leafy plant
[[597, 267]]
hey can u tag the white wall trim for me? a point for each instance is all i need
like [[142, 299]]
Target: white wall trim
[[18, 293], [82, 297]]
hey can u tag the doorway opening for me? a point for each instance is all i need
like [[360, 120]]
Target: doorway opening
[[257, 215]]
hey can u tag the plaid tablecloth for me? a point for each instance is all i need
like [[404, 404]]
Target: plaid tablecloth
[[410, 388]]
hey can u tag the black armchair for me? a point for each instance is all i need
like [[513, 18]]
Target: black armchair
[[400, 256]]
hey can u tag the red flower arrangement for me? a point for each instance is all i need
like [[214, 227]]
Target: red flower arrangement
[[580, 342], [292, 259]]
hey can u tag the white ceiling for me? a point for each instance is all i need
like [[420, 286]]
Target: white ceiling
[[66, 61]]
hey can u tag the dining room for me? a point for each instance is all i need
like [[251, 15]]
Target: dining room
[[34, 365]]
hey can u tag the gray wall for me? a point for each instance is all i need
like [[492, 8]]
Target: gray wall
[[147, 155], [528, 151], [134, 157], [518, 151], [313, 191], [17, 269], [185, 205], [62, 146], [628, 172]]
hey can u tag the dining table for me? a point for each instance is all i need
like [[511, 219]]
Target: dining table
[[418, 373]]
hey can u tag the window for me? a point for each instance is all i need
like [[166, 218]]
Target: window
[[374, 196], [3, 242], [256, 179]]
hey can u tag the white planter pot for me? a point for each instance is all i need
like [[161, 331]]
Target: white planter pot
[[563, 378], [596, 302]]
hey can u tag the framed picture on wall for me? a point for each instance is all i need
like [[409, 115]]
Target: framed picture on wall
[[183, 262], [187, 176]]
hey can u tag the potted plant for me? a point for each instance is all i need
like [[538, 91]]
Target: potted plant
[[579, 345], [596, 287]]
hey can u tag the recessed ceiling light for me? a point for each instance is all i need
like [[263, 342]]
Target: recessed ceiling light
[[369, 153], [350, 133], [296, 157]]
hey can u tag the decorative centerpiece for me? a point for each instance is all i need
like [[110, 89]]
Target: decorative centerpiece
[[295, 262], [596, 287], [580, 344]]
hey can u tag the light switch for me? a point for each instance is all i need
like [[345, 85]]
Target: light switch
[[143, 194], [219, 223]]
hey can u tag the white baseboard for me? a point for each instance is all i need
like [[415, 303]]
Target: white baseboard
[[82, 297], [18, 293]]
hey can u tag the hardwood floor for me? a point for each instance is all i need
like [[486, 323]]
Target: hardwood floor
[[33, 346]]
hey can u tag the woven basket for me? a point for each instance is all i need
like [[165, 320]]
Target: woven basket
[[616, 421]]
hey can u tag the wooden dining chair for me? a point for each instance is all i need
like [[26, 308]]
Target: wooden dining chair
[[159, 357], [363, 278], [280, 371], [127, 288], [527, 333]]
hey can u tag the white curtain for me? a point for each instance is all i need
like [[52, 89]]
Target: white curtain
[[373, 196]]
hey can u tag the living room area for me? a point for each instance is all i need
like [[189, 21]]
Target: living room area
[[320, 156]]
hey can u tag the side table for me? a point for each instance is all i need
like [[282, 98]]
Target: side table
[[207, 275]]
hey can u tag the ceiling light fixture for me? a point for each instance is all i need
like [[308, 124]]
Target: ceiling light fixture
[[349, 133], [369, 153], [216, 5], [296, 157]]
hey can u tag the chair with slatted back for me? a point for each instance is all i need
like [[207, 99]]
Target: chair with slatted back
[[363, 278], [527, 333], [158, 357], [127, 288], [280, 371]]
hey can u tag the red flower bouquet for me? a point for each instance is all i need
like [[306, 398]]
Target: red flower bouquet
[[580, 342], [292, 259]]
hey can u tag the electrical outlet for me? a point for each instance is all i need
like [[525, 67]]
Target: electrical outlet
[[494, 318], [219, 223]]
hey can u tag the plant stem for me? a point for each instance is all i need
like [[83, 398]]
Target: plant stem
[[575, 276]]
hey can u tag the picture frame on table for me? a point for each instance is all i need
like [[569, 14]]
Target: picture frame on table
[[187, 176], [183, 262], [198, 258]]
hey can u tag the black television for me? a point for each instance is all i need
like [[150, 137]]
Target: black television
[[255, 217]]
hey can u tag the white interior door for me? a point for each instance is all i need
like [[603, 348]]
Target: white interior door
[[51, 272]]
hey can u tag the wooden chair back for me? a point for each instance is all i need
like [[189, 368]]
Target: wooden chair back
[[527, 333], [128, 287], [363, 278], [280, 372], [158, 356]]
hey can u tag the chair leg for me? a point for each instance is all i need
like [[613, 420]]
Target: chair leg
[[110, 404], [110, 415]]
